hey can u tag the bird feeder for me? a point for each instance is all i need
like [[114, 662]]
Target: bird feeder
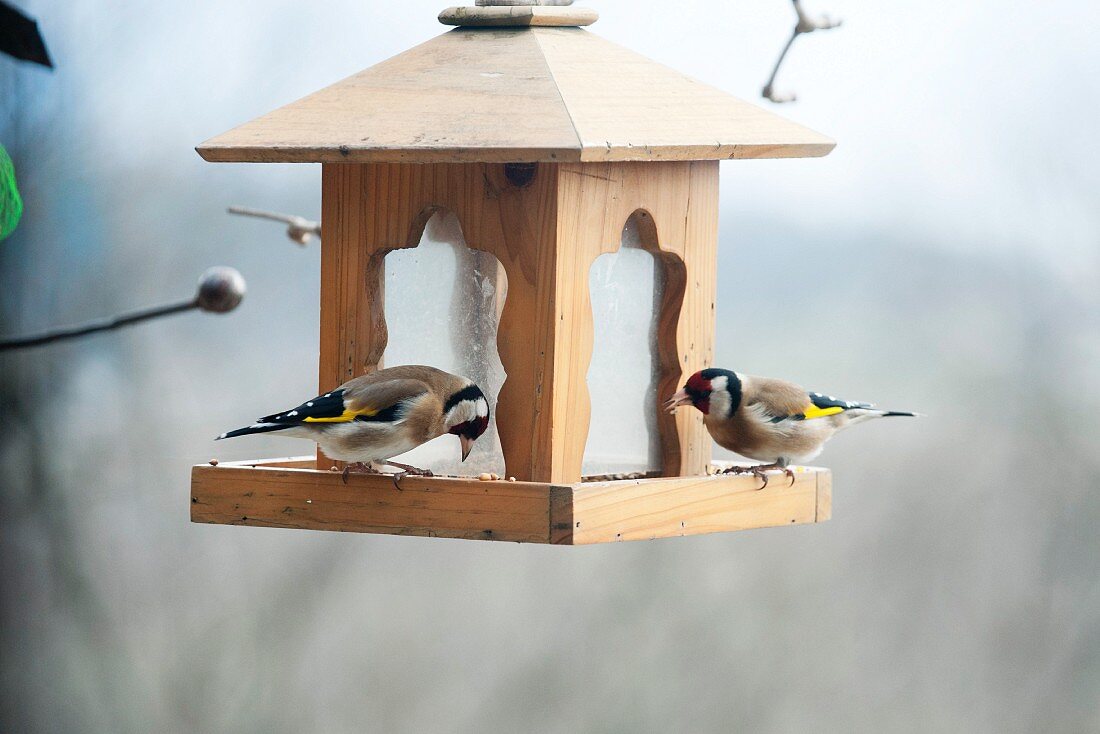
[[543, 139]]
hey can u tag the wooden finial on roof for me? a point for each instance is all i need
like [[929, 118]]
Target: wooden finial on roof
[[519, 14]]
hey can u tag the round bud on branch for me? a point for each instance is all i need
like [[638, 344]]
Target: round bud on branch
[[220, 290]]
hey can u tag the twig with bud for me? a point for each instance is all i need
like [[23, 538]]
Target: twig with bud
[[298, 229], [220, 291], [805, 24]]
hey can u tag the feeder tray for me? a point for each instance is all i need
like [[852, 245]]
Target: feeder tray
[[293, 493], [543, 142]]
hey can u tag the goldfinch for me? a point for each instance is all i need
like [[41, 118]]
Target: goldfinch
[[371, 419], [769, 420]]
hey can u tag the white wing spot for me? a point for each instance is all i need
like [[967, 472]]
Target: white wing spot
[[327, 395], [309, 405], [291, 413]]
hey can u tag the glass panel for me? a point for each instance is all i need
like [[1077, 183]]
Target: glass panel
[[443, 303], [622, 379]]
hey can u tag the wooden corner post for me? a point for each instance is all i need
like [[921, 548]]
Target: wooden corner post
[[546, 223]]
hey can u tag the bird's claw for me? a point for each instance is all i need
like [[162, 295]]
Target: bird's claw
[[358, 467], [760, 471], [405, 470]]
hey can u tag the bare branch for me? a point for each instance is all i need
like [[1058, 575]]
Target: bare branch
[[220, 290], [299, 229], [805, 24]]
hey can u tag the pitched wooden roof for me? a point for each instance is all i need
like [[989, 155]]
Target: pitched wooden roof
[[512, 94]]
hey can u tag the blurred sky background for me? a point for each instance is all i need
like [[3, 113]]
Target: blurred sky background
[[944, 258]]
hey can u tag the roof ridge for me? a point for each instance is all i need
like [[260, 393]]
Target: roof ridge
[[535, 32], [482, 95]]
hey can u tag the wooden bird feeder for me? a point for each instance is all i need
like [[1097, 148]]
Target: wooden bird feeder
[[543, 139]]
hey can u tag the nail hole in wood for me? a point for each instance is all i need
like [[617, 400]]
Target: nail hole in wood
[[520, 174]]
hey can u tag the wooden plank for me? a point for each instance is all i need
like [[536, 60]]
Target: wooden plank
[[266, 493], [518, 16], [515, 223], [693, 344], [824, 496], [627, 107], [467, 95], [353, 326], [660, 508], [677, 204], [561, 515], [319, 500]]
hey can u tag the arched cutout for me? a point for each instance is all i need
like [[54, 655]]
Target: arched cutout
[[627, 289], [443, 302]]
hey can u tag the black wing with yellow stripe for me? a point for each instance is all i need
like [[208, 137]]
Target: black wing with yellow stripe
[[385, 401], [828, 405], [822, 406], [332, 408]]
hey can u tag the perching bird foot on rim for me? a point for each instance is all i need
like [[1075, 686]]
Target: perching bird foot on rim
[[760, 472]]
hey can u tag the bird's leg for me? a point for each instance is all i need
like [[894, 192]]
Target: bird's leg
[[359, 467], [406, 469], [754, 470], [759, 471], [409, 469], [782, 463]]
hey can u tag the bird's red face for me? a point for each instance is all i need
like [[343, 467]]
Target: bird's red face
[[696, 392]]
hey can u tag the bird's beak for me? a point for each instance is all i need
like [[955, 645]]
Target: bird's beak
[[677, 400], [467, 446]]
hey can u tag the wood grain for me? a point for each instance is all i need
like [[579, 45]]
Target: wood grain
[[518, 16], [824, 496], [661, 508], [515, 94], [467, 95], [281, 493], [677, 208], [627, 107], [319, 500], [546, 233], [561, 515], [353, 325], [516, 225]]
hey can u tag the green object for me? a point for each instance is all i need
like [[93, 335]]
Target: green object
[[11, 206]]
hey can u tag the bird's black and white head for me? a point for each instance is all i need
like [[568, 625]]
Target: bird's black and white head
[[466, 415], [713, 391]]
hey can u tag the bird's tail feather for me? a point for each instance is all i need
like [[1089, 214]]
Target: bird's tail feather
[[859, 415], [256, 428]]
